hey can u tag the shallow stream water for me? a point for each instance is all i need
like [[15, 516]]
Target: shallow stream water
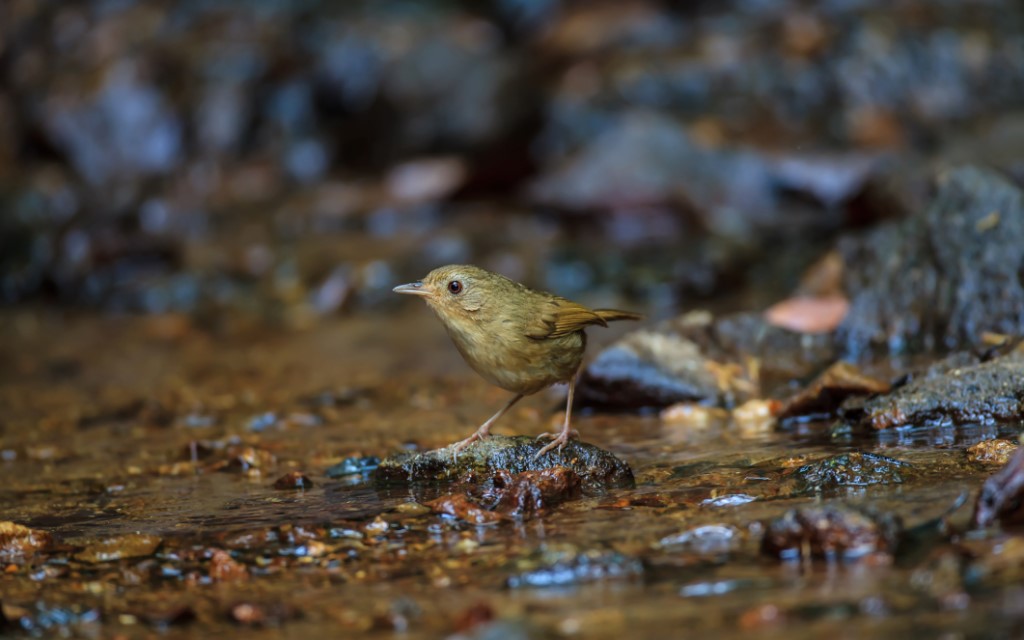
[[114, 427]]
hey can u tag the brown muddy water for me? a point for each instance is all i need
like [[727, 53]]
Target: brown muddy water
[[149, 449]]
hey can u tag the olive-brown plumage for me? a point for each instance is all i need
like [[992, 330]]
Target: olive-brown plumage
[[516, 338]]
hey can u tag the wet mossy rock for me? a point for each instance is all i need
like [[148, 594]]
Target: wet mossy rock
[[987, 393], [854, 469], [940, 279], [597, 468]]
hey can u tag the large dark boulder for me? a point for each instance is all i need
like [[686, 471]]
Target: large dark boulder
[[939, 280]]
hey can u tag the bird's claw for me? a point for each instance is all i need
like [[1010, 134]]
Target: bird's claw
[[558, 440], [573, 434], [462, 444]]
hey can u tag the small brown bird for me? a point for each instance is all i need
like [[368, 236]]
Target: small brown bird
[[516, 338]]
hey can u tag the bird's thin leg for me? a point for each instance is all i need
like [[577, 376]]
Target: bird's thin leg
[[559, 440], [485, 428]]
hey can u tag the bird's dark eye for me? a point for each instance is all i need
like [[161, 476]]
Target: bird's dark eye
[[455, 287]]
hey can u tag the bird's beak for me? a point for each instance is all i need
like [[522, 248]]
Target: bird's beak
[[414, 288]]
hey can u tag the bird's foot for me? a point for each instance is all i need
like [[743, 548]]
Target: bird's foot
[[462, 444], [558, 440], [571, 434]]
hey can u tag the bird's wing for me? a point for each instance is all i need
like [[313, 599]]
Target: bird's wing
[[559, 317]]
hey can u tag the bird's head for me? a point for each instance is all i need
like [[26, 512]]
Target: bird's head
[[455, 291]]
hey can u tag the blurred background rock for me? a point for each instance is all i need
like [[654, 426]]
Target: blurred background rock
[[281, 162]]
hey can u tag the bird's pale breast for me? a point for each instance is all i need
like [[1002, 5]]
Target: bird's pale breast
[[511, 360]]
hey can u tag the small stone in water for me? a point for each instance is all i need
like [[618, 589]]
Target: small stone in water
[[460, 506], [225, 568], [709, 539], [19, 540], [293, 480], [352, 466], [133, 545], [995, 452], [262, 422], [732, 500], [563, 565], [378, 526], [831, 533], [412, 509]]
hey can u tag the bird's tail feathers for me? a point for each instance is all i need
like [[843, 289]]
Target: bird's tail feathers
[[610, 315]]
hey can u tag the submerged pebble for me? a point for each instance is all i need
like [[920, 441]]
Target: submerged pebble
[[831, 533], [705, 539], [18, 540], [294, 480], [352, 466], [995, 452], [133, 545], [565, 564], [854, 469]]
